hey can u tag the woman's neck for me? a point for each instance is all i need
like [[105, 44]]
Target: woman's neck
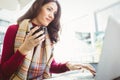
[[35, 23]]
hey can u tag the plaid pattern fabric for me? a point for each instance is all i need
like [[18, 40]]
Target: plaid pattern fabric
[[34, 65]]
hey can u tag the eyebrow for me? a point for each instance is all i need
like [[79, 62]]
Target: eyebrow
[[52, 8]]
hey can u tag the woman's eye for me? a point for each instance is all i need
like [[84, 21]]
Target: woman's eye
[[49, 9]]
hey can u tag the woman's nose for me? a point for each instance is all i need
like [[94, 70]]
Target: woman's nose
[[51, 15]]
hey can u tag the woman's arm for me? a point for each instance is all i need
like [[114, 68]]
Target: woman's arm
[[58, 67], [10, 61]]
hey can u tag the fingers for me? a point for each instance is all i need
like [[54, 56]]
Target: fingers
[[35, 32], [38, 34], [32, 31], [33, 40], [33, 35], [39, 39], [90, 68]]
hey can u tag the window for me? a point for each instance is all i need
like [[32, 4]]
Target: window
[[3, 26], [82, 37]]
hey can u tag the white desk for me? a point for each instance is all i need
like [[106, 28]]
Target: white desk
[[73, 75]]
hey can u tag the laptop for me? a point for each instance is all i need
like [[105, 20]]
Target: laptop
[[108, 67], [109, 64]]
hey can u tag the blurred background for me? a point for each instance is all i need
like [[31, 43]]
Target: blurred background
[[83, 25]]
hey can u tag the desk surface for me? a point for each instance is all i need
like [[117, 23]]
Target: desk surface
[[73, 75]]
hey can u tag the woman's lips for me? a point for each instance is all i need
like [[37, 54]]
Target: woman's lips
[[49, 20]]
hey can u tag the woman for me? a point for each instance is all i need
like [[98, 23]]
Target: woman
[[26, 54]]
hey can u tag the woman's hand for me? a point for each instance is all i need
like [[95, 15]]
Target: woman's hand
[[90, 68], [73, 66], [31, 41]]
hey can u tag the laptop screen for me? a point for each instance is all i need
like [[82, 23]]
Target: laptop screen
[[109, 65]]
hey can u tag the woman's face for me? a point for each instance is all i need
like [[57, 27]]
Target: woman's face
[[46, 14]]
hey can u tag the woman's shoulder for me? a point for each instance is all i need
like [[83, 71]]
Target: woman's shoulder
[[12, 28]]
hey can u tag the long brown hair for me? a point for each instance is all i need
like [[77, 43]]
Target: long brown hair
[[53, 27]]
